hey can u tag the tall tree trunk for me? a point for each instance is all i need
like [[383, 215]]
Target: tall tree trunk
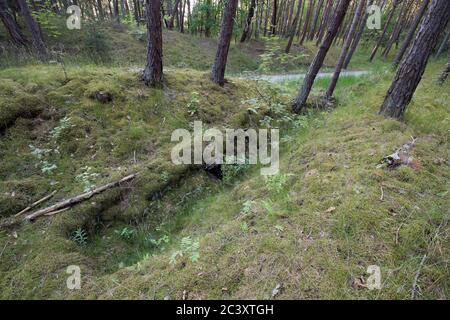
[[316, 19], [294, 27], [251, 12], [412, 68], [307, 21], [33, 27], [325, 20], [226, 32], [380, 40], [401, 19], [273, 23], [11, 25], [320, 56], [356, 17], [116, 11], [174, 14], [153, 71], [100, 9], [355, 42]]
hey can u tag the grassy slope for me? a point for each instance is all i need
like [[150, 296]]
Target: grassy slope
[[290, 236]]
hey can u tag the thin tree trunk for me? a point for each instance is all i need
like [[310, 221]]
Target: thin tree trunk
[[273, 23], [33, 27], [325, 20], [412, 68], [226, 32], [153, 71], [401, 19], [356, 17], [320, 56], [316, 19], [251, 12], [294, 27], [355, 42], [307, 21], [380, 40]]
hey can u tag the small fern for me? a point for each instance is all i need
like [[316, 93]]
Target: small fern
[[80, 237]]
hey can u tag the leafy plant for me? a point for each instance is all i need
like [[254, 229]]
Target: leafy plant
[[87, 179], [276, 183], [233, 167], [160, 242], [79, 236], [193, 103], [126, 233], [188, 247], [64, 123], [40, 155]]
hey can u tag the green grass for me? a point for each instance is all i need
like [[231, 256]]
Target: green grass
[[253, 232]]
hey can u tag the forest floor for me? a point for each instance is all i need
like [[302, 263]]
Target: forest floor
[[311, 231]]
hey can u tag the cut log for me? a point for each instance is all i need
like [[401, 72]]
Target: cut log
[[34, 204], [78, 199]]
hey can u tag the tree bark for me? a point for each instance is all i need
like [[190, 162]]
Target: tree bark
[[33, 27], [153, 71], [307, 21], [294, 27], [226, 32], [357, 38], [391, 14], [320, 56], [273, 23], [316, 19], [356, 17], [11, 25], [251, 12], [412, 68]]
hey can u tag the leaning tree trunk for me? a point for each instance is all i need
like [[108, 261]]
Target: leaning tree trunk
[[153, 71], [294, 27], [355, 42], [380, 40], [33, 27], [320, 56], [412, 68], [359, 11], [411, 32], [251, 12], [443, 76], [11, 25], [226, 32]]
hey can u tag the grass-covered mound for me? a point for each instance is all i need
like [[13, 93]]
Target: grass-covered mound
[[61, 137]]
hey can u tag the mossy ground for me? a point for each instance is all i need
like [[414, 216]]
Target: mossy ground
[[253, 232]]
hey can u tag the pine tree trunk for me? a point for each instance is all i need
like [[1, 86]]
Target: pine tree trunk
[[380, 40], [11, 25], [325, 21], [33, 27], [355, 42], [226, 32], [412, 68], [307, 21], [251, 12], [153, 71], [273, 23], [401, 19], [356, 17], [294, 27], [320, 56], [316, 19]]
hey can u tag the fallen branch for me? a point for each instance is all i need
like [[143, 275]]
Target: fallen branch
[[34, 204], [75, 200]]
